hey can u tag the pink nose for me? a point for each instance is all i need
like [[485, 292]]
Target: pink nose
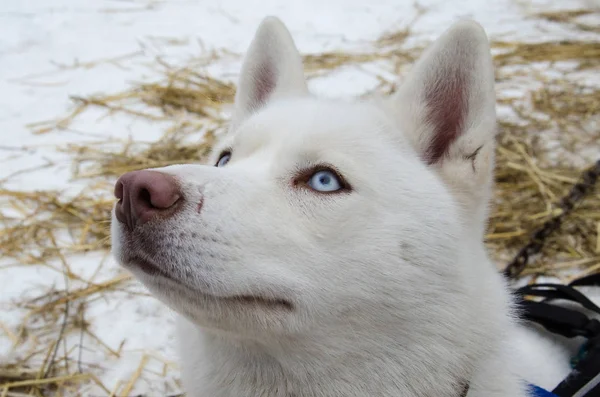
[[144, 195]]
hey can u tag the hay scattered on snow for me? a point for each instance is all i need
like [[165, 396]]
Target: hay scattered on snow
[[531, 177], [587, 54], [573, 18]]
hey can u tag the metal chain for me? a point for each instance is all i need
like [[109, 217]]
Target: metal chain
[[535, 245]]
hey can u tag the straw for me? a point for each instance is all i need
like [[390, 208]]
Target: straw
[[541, 152]]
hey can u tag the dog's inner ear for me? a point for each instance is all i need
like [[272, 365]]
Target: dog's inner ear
[[446, 104], [448, 98], [272, 69]]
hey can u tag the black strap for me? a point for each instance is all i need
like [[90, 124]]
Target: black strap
[[591, 280], [558, 291], [559, 320], [584, 380]]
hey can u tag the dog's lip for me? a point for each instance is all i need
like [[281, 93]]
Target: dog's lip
[[257, 300], [148, 267], [153, 270]]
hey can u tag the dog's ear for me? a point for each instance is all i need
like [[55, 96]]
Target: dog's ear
[[272, 69], [449, 95], [447, 106]]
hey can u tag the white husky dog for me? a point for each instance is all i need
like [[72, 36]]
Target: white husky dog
[[334, 248]]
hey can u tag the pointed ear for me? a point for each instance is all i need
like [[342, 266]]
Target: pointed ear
[[272, 69], [450, 95], [447, 106]]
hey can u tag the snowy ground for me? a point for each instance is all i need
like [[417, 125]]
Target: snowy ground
[[53, 49]]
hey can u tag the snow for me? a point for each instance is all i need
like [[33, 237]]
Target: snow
[[51, 50]]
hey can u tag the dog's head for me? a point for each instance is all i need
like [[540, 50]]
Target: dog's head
[[315, 214]]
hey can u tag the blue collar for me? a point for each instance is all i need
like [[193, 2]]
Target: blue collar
[[535, 391]]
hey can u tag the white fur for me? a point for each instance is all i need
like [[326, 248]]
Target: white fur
[[392, 289]]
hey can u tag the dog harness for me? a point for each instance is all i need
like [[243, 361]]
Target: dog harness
[[584, 379]]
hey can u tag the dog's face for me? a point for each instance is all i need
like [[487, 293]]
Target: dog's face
[[316, 214]]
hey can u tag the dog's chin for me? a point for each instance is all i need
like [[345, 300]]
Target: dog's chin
[[252, 316], [149, 273], [241, 313], [156, 278]]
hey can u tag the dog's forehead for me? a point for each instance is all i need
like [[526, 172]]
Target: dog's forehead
[[311, 125]]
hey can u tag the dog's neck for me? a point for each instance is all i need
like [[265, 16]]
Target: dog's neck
[[341, 364], [402, 356]]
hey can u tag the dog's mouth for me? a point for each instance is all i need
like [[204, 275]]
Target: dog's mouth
[[251, 300], [148, 267]]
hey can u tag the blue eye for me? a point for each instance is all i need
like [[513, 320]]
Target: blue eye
[[224, 159], [324, 181]]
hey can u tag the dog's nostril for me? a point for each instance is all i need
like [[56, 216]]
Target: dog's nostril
[[145, 197], [119, 190]]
